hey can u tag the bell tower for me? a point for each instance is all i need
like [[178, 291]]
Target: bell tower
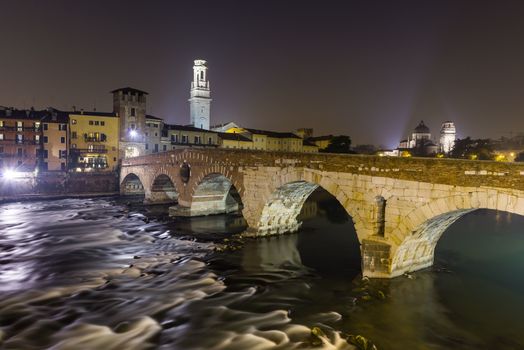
[[200, 97]]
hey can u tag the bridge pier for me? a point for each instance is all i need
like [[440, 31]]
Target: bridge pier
[[203, 206]]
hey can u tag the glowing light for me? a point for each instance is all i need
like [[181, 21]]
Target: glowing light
[[405, 154], [500, 158], [440, 155], [473, 157], [133, 133], [11, 174]]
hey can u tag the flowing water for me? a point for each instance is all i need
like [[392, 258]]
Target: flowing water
[[106, 274]]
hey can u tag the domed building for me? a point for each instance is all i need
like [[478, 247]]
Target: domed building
[[419, 143], [420, 136]]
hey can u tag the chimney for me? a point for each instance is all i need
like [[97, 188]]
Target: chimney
[[81, 111], [74, 108]]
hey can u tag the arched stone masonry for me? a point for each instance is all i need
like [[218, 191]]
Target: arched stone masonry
[[400, 207], [162, 191], [131, 186]]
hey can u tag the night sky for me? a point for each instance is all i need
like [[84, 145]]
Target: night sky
[[369, 69]]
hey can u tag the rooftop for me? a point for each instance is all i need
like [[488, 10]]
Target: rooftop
[[128, 89], [275, 134], [187, 128], [233, 136]]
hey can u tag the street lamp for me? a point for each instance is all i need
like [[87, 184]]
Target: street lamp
[[133, 133]]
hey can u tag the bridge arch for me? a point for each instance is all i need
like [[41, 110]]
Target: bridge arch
[[132, 185], [284, 201], [163, 189], [215, 193], [424, 226]]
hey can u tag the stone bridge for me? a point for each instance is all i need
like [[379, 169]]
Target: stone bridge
[[400, 206]]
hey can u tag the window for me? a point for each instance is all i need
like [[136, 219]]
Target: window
[[197, 140], [102, 123], [74, 135], [209, 141], [37, 126], [97, 122], [91, 122], [62, 139], [156, 134], [133, 112], [46, 154], [46, 126], [62, 166], [184, 139], [19, 138], [174, 138], [156, 148], [19, 126], [73, 121], [45, 139], [147, 146], [1, 123], [1, 136], [90, 148], [37, 138], [73, 145], [164, 148], [19, 152], [62, 154], [103, 137], [62, 127]]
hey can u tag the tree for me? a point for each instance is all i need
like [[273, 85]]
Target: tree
[[339, 144], [468, 148]]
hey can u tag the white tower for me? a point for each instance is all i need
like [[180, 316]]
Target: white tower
[[448, 135], [200, 96]]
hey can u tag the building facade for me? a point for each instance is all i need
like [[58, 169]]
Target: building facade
[[179, 136], [153, 134], [94, 141], [20, 139], [55, 140], [200, 97]]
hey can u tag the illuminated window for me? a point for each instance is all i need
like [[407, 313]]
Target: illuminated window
[[1, 136], [19, 126], [73, 121], [133, 112]]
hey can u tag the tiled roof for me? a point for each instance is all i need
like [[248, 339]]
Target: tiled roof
[[186, 128], [152, 117], [233, 136], [94, 114], [130, 89], [275, 134]]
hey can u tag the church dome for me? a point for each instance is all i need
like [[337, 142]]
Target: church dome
[[422, 128]]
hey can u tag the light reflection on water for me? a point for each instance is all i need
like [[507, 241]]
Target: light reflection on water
[[100, 274]]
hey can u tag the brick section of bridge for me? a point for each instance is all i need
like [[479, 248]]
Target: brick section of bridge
[[422, 196]]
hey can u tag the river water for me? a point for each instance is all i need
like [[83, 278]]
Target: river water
[[107, 274]]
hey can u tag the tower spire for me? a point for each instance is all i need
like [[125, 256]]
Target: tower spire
[[200, 96]]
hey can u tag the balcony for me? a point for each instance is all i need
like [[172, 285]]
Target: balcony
[[89, 150]]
